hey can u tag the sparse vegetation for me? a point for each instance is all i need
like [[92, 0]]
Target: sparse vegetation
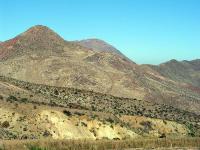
[[102, 103], [102, 144]]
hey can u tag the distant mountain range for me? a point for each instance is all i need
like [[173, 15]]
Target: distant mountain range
[[40, 55], [184, 71]]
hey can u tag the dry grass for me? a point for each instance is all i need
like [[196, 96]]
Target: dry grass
[[97, 145]]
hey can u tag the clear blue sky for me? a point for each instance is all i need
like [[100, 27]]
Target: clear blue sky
[[147, 31]]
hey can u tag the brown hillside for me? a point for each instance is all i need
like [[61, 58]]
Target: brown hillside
[[41, 56]]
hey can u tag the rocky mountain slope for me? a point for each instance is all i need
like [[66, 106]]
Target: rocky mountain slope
[[182, 71], [32, 111], [39, 55], [88, 89]]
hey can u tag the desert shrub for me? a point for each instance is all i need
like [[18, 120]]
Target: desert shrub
[[1, 97], [94, 116], [12, 98], [46, 133], [139, 112], [25, 129], [110, 120], [23, 100], [56, 92], [116, 139], [147, 125], [93, 131], [163, 135], [5, 124], [34, 147], [84, 124], [67, 113], [22, 118], [93, 108], [164, 121], [24, 137], [192, 130], [111, 126]]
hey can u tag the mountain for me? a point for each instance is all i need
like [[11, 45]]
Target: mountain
[[50, 87], [38, 39], [41, 56], [181, 71], [77, 66], [98, 45]]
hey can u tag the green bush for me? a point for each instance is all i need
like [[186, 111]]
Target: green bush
[[24, 100], [191, 128], [5, 124], [67, 113], [12, 98], [110, 120]]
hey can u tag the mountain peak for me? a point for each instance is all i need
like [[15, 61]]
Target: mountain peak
[[94, 40], [173, 61], [41, 34], [38, 39], [39, 28], [98, 45]]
